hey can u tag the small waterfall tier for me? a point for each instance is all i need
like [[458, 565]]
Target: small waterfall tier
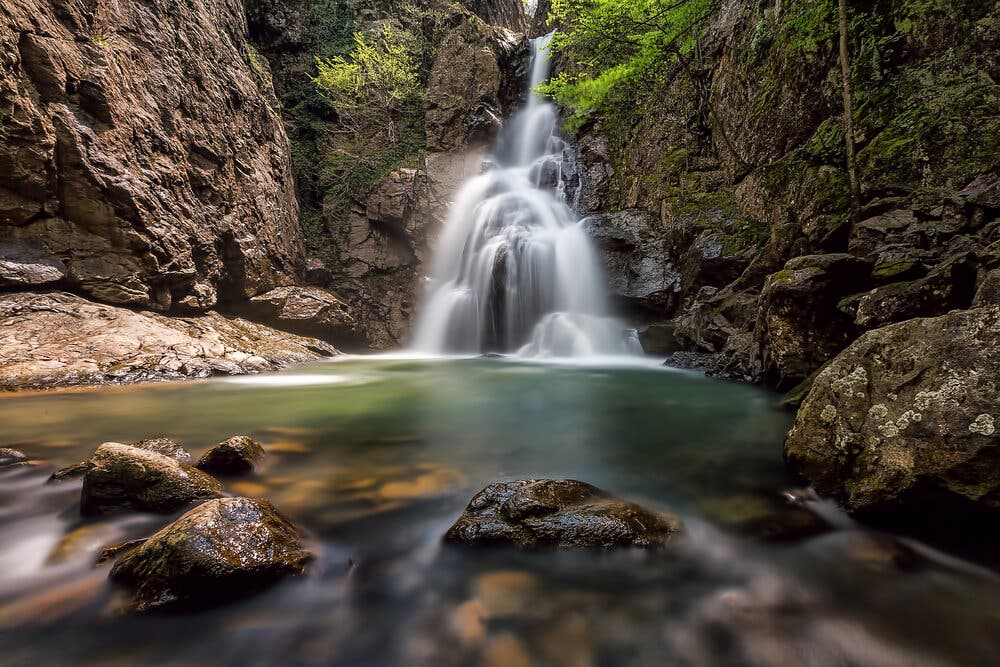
[[514, 271]]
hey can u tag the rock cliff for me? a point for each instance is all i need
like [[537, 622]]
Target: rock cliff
[[143, 156]]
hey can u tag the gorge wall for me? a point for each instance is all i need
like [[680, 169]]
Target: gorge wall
[[145, 163]]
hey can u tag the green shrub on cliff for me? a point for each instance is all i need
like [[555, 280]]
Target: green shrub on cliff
[[611, 44], [374, 86]]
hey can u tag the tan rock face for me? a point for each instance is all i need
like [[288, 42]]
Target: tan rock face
[[50, 340], [143, 159]]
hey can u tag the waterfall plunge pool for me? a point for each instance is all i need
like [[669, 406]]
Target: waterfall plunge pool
[[375, 457]]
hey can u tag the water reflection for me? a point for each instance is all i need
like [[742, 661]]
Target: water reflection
[[377, 464]]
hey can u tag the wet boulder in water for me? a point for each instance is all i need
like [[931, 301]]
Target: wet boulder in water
[[123, 478], [904, 421], [540, 513], [222, 549], [164, 446], [236, 456]]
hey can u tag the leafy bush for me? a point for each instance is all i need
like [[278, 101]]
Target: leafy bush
[[373, 87], [611, 45]]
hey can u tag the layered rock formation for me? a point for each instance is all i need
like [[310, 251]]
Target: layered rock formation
[[144, 159], [58, 339]]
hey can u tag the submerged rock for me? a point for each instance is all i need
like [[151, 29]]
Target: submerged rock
[[907, 415], [9, 457], [164, 446], [122, 477], [221, 549], [533, 513], [236, 456]]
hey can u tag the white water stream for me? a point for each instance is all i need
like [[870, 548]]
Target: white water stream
[[514, 271]]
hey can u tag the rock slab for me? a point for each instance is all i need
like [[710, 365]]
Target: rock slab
[[236, 456]]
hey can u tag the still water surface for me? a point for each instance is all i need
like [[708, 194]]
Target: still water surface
[[375, 457]]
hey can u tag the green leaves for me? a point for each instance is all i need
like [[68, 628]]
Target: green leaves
[[610, 44]]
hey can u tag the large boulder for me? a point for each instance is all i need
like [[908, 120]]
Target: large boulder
[[907, 413], [800, 325], [137, 170], [58, 339], [538, 513], [221, 549], [126, 478]]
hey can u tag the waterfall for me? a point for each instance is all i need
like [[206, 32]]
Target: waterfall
[[514, 271]]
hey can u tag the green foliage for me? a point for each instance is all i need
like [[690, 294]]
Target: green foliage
[[374, 86], [611, 45]]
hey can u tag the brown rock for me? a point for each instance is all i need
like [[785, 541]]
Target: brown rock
[[306, 311], [123, 478], [539, 513], [164, 446], [136, 170], [9, 457], [236, 456], [223, 548]]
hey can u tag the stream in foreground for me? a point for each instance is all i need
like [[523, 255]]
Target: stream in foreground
[[375, 458]]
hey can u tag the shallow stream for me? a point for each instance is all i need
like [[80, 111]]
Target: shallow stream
[[375, 457]]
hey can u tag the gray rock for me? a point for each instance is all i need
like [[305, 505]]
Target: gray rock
[[125, 478], [236, 456], [907, 414], [225, 548], [539, 513]]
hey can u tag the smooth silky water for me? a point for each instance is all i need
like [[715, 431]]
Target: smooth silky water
[[375, 457]]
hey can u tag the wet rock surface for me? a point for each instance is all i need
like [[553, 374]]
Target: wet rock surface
[[164, 446], [306, 311], [125, 478], [236, 456], [222, 549], [9, 457], [58, 339], [906, 416], [547, 513]]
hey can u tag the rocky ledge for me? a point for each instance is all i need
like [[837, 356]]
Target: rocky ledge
[[59, 339]]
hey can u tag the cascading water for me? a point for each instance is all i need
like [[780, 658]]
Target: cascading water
[[514, 270]]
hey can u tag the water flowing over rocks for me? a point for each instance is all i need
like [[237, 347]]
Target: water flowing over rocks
[[236, 456], [137, 170], [546, 513], [906, 416], [58, 339], [124, 478], [222, 549]]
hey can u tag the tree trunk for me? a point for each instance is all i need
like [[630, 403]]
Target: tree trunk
[[845, 73]]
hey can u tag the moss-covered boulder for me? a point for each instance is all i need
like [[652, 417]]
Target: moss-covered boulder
[[125, 478], [220, 550], [565, 513], [236, 456], [907, 415]]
